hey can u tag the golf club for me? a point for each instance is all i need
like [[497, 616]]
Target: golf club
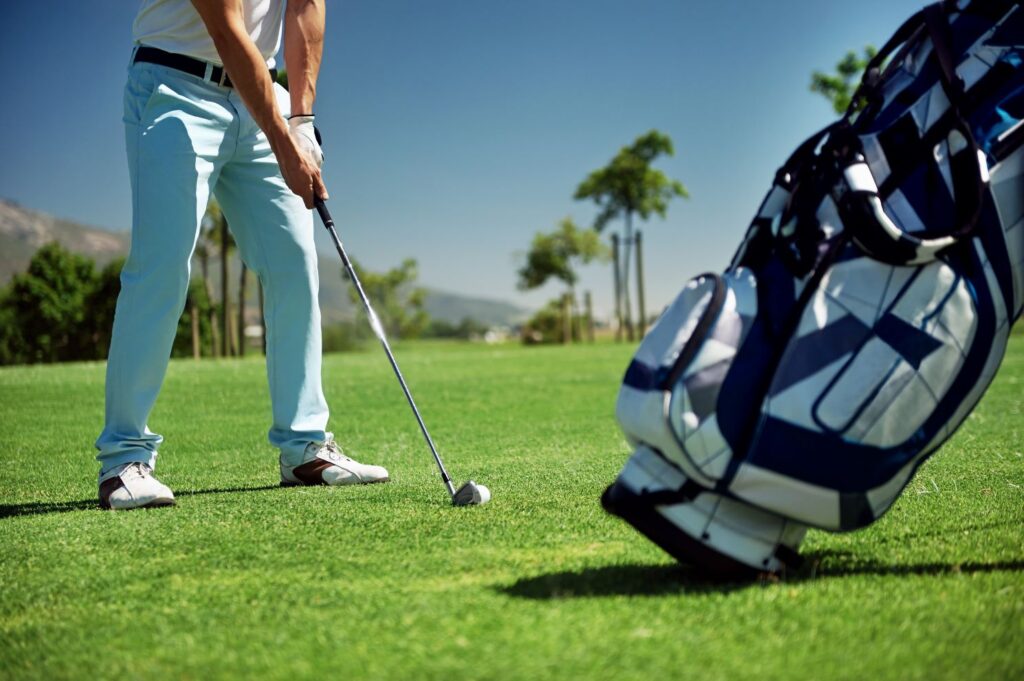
[[470, 493]]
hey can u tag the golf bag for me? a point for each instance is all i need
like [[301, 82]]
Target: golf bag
[[861, 320]]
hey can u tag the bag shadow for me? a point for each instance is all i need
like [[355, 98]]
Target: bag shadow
[[672, 579]]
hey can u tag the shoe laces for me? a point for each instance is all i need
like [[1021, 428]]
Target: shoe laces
[[135, 470], [333, 447]]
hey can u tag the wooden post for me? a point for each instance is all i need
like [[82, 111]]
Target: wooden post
[[590, 315], [640, 285], [618, 288]]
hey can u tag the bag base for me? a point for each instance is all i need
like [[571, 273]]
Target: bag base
[[720, 537]]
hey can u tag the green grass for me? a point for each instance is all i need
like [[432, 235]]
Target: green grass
[[243, 579]]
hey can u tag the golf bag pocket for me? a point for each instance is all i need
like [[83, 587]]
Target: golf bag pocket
[[876, 351], [669, 396]]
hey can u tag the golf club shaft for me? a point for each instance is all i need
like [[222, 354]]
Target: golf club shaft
[[378, 330]]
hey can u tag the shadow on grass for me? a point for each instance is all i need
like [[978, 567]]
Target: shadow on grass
[[43, 507], [618, 580], [666, 580], [826, 564], [944, 531]]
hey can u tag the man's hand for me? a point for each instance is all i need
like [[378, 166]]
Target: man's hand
[[300, 173], [304, 134], [249, 75]]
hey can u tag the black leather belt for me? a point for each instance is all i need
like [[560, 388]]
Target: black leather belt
[[193, 67]]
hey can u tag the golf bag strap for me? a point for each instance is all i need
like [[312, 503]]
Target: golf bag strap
[[858, 196], [685, 494]]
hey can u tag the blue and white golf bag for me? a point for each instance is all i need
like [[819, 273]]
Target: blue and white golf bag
[[863, 317]]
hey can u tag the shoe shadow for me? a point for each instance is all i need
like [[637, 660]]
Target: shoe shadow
[[44, 507], [667, 580]]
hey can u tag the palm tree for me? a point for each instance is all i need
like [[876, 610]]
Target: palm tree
[[628, 186]]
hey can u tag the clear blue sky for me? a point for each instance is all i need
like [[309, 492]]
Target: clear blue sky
[[455, 129]]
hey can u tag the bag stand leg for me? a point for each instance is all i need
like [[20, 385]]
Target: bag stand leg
[[719, 536]]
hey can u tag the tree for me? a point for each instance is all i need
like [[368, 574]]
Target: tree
[[547, 325], [466, 329], [839, 87], [12, 341], [46, 314], [395, 298], [629, 186], [556, 255], [49, 302]]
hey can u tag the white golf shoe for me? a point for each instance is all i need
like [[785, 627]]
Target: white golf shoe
[[325, 464], [133, 486]]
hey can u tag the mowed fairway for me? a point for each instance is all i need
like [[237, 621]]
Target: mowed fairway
[[243, 579]]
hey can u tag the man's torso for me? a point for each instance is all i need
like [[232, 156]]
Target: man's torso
[[175, 26]]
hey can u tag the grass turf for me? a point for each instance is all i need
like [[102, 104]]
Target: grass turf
[[244, 579]]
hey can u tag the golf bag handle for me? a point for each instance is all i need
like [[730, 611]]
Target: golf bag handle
[[858, 196]]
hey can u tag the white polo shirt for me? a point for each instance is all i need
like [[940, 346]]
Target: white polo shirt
[[175, 26]]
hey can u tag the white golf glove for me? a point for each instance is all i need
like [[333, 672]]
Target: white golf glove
[[304, 135]]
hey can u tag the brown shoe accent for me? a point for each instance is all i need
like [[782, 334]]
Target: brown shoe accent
[[108, 487], [111, 485], [309, 473]]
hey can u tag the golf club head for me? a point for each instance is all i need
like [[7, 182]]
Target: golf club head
[[471, 494]]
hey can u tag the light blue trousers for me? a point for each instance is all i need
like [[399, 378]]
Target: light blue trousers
[[185, 139]]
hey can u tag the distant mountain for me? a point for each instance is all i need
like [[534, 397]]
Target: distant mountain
[[23, 231], [454, 308]]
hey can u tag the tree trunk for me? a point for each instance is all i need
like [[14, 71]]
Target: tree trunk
[[204, 263], [566, 320], [225, 312], [232, 330], [574, 308], [263, 321], [589, 303], [242, 280], [640, 285], [626, 303], [618, 288], [193, 313]]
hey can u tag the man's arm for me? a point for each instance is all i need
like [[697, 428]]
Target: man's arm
[[249, 75], [303, 48]]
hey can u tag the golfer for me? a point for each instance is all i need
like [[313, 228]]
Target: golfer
[[203, 115]]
